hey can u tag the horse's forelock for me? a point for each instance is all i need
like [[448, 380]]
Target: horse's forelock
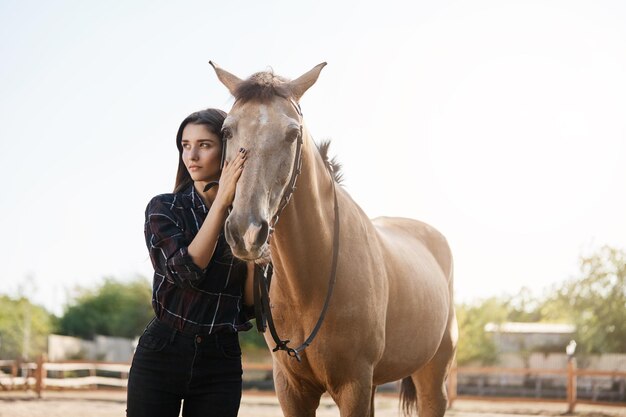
[[262, 87]]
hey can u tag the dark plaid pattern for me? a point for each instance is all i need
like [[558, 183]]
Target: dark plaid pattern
[[184, 296]]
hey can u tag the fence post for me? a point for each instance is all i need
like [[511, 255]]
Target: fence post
[[571, 385], [39, 375], [92, 376], [538, 384]]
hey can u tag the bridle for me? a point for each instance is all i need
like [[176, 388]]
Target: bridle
[[262, 278], [297, 169], [262, 306], [291, 186]]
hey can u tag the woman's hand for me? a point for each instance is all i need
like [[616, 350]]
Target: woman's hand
[[203, 246], [228, 179]]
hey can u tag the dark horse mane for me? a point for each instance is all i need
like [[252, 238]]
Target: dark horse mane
[[332, 165], [262, 87]]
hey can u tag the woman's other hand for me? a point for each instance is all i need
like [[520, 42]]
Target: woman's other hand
[[228, 179]]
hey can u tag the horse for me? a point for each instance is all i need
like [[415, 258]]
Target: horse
[[391, 316]]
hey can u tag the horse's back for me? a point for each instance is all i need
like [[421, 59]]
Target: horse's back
[[398, 231]]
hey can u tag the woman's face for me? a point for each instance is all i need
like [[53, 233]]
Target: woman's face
[[202, 153]]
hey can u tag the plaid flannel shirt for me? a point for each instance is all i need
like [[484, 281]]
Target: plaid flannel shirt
[[185, 296]]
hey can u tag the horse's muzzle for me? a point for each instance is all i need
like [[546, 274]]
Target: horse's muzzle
[[248, 240]]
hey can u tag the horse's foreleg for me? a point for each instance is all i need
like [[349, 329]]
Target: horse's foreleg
[[355, 398], [372, 401], [296, 398]]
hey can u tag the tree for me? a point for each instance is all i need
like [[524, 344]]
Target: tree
[[475, 345], [24, 328], [113, 309], [523, 307], [596, 301]]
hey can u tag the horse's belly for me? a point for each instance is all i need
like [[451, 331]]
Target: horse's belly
[[409, 346], [418, 309], [396, 365]]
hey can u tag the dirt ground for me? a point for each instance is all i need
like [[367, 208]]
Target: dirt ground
[[112, 404]]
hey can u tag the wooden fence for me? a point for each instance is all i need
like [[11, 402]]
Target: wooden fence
[[44, 375], [571, 375]]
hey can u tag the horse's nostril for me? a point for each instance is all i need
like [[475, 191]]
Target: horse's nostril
[[228, 234], [256, 235], [263, 233]]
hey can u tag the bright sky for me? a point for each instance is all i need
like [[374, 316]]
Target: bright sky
[[502, 123]]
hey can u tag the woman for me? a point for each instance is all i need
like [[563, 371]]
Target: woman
[[190, 351]]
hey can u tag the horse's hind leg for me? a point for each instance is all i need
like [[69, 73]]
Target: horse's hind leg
[[430, 380]]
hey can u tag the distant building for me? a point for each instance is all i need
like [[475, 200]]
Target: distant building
[[511, 337], [101, 348]]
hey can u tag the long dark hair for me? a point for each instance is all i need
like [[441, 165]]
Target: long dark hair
[[213, 120]]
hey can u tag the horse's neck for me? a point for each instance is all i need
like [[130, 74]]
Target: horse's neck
[[303, 238]]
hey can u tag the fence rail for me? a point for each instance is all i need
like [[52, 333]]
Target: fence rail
[[44, 375]]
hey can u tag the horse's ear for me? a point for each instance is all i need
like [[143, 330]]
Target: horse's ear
[[229, 80], [299, 86]]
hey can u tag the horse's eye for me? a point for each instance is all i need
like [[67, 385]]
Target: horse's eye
[[292, 135], [227, 133]]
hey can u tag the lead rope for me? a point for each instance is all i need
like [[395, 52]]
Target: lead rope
[[261, 293]]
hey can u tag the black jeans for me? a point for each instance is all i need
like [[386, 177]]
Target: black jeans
[[168, 366]]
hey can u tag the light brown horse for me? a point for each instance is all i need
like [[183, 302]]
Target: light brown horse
[[391, 314]]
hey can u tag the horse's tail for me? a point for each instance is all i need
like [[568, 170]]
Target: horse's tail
[[408, 396]]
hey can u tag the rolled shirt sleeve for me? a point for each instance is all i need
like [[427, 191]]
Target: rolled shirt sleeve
[[167, 245]]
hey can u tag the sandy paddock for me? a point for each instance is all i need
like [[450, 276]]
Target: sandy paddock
[[112, 404]]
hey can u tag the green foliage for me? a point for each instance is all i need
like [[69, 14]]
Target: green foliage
[[597, 302], [523, 307], [252, 339], [475, 345], [253, 346], [24, 328], [113, 309]]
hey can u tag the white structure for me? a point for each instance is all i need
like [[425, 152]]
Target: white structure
[[517, 337], [102, 348]]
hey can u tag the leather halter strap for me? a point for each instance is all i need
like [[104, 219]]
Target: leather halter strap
[[261, 284], [263, 311], [291, 186], [297, 169]]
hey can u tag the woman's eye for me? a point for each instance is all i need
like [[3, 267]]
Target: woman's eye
[[186, 146]]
